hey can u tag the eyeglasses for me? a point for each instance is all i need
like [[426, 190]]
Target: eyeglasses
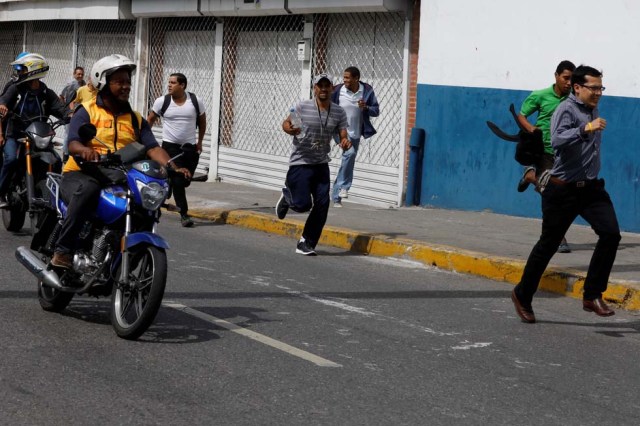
[[595, 89]]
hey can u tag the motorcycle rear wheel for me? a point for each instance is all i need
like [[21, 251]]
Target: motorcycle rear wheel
[[135, 306], [52, 300]]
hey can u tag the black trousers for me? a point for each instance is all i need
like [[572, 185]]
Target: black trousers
[[308, 189], [561, 204], [188, 160], [81, 192]]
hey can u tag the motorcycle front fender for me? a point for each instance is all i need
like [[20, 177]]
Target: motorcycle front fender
[[138, 238], [148, 238]]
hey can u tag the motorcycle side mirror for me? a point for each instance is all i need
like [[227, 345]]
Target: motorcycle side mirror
[[87, 132]]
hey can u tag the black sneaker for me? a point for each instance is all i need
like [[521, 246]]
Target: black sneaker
[[282, 207], [305, 248], [186, 221], [523, 184]]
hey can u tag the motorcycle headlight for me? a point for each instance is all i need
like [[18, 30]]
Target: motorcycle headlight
[[152, 195], [41, 141]]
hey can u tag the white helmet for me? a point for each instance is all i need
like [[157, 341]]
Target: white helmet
[[31, 66], [107, 66]]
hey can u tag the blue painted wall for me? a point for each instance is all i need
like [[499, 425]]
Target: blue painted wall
[[467, 167]]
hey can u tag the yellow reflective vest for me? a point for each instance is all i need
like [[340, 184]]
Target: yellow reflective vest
[[114, 131]]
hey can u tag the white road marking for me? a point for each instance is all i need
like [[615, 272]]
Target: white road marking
[[356, 310], [466, 345], [319, 361]]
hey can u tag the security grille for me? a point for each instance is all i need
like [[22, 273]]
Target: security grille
[[184, 45], [261, 78], [97, 39], [12, 34], [374, 43], [53, 40], [261, 81]]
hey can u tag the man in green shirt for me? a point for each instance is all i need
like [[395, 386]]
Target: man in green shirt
[[545, 102]]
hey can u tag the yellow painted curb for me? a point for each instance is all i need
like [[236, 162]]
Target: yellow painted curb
[[563, 281]]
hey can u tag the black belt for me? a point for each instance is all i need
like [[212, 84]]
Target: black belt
[[577, 184]]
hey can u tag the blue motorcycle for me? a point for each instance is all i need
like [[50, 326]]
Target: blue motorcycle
[[120, 253]]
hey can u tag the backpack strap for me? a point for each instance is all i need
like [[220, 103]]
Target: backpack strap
[[194, 101], [165, 105]]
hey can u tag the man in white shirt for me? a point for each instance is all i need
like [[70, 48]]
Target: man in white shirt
[[181, 113]]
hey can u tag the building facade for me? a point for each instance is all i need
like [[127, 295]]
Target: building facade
[[249, 61]]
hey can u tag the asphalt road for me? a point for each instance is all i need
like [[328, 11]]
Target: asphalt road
[[253, 334]]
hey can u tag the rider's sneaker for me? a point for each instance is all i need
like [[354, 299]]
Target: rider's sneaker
[[62, 260], [3, 202]]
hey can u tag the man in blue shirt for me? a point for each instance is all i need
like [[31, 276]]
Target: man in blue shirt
[[571, 189], [360, 104]]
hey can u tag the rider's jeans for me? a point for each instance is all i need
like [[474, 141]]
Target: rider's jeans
[[10, 156]]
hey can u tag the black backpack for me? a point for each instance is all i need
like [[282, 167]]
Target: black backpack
[[194, 101]]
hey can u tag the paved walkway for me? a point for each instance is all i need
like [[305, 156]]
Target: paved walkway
[[481, 243]]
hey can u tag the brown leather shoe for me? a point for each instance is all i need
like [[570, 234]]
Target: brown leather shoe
[[598, 307], [62, 260], [526, 315]]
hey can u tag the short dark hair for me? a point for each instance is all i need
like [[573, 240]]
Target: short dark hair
[[353, 72], [565, 66], [78, 68], [578, 76], [182, 79]]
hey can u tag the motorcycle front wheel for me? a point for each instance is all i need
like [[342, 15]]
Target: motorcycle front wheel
[[134, 306]]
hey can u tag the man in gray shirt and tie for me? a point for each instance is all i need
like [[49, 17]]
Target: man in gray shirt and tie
[[571, 189]]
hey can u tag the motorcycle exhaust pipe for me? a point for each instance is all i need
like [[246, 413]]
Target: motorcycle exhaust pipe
[[37, 267]]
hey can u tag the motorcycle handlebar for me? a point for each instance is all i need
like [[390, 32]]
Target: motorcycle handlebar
[[105, 160]]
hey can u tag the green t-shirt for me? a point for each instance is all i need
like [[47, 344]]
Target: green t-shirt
[[544, 102]]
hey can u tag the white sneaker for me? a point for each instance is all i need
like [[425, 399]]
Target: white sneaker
[[343, 193], [337, 204]]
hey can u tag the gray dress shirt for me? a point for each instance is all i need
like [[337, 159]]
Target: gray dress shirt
[[577, 153]]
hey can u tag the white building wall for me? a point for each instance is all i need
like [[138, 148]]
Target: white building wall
[[478, 57], [511, 44]]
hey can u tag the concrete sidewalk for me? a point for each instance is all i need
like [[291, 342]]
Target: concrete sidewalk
[[485, 244]]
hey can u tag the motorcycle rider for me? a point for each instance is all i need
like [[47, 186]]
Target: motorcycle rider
[[31, 100], [12, 80], [117, 125]]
